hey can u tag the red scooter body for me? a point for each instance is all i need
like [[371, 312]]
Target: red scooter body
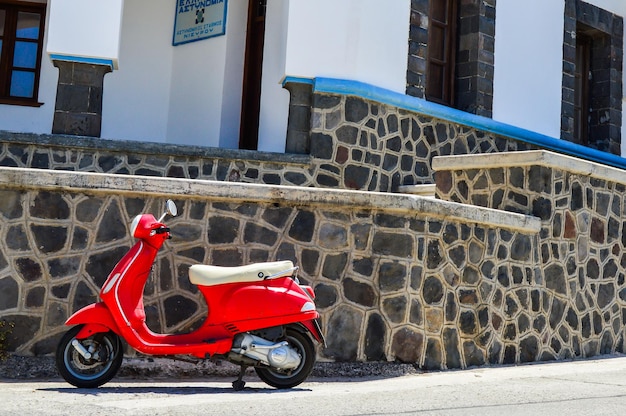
[[240, 300]]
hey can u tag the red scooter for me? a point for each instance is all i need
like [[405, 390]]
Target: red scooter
[[259, 315]]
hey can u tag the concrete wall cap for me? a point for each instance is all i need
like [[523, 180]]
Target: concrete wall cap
[[529, 158], [99, 183], [428, 190]]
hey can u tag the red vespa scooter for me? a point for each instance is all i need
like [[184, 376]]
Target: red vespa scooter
[[259, 316]]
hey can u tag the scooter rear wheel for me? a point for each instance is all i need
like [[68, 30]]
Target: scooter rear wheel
[[107, 354], [303, 344]]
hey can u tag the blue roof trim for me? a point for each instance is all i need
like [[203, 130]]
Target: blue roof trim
[[298, 80], [418, 105], [83, 60]]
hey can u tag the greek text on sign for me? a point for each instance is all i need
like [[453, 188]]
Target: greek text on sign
[[199, 19]]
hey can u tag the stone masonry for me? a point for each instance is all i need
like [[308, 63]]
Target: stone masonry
[[397, 277], [78, 106], [581, 310], [355, 144]]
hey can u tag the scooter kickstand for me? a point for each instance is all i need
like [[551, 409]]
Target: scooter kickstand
[[239, 384]]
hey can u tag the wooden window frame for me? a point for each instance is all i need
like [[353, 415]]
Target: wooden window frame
[[253, 75], [9, 38], [603, 114], [442, 92], [582, 88]]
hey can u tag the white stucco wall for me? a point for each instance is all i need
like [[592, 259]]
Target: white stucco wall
[[528, 69], [233, 74], [136, 96], [363, 40], [186, 94], [196, 92], [199, 82], [85, 28], [274, 113]]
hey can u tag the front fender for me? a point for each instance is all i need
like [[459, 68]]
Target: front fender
[[96, 318]]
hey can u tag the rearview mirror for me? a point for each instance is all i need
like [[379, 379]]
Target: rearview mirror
[[171, 208]]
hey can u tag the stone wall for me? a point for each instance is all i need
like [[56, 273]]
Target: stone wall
[[365, 145], [576, 307], [354, 144], [82, 154], [397, 277]]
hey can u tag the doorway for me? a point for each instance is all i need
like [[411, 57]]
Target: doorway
[[253, 72]]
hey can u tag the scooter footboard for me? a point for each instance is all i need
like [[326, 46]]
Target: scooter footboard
[[96, 318]]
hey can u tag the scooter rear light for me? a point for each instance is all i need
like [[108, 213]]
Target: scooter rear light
[[308, 307]]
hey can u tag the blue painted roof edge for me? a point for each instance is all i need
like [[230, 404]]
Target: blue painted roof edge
[[418, 105], [83, 60]]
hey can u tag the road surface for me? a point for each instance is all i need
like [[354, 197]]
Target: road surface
[[590, 387]]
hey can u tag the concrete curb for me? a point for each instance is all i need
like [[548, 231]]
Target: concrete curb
[[29, 368]]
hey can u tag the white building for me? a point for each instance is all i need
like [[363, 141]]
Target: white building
[[185, 85]]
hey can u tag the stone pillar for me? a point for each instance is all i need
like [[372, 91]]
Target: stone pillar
[[475, 57], [78, 108], [84, 49], [299, 124]]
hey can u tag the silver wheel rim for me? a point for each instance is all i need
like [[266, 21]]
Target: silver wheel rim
[[83, 369]]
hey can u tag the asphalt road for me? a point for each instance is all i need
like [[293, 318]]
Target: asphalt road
[[591, 387]]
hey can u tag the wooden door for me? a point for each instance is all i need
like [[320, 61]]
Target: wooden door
[[253, 71]]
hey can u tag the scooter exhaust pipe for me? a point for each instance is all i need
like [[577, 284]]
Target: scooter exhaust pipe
[[278, 355]]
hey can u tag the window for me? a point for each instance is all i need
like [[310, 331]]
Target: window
[[592, 100], [592, 89], [451, 53], [21, 41], [441, 52]]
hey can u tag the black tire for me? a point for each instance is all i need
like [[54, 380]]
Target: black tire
[[284, 380], [92, 373]]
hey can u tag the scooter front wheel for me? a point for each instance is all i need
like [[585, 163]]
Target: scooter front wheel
[[288, 379], [98, 366]]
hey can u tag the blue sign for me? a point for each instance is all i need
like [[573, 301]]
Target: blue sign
[[199, 19]]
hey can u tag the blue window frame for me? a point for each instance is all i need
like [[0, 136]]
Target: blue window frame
[[21, 43]]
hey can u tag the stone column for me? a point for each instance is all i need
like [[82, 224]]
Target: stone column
[[78, 108], [299, 124], [84, 49]]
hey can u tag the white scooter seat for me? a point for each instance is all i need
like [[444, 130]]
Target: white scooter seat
[[205, 275]]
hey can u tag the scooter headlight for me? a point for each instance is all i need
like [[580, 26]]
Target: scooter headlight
[[134, 225], [143, 225]]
